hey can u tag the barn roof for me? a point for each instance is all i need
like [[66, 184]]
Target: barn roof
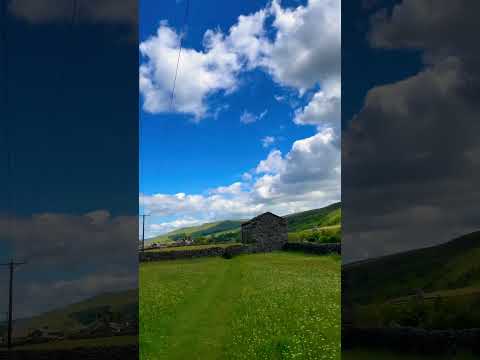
[[263, 215]]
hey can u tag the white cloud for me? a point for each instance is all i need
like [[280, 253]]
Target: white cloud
[[234, 189], [248, 38], [304, 53], [267, 141], [324, 108], [307, 45], [247, 177], [274, 163], [247, 118], [202, 73]]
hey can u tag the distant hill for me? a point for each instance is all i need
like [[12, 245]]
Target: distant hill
[[78, 315], [452, 265], [306, 220], [207, 229]]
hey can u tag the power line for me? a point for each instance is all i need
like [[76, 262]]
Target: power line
[[180, 51]]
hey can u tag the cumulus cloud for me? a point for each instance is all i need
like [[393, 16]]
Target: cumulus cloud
[[274, 163], [202, 72], [304, 52], [410, 174], [306, 177], [307, 46], [324, 108]]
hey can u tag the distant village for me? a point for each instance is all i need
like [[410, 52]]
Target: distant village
[[186, 240]]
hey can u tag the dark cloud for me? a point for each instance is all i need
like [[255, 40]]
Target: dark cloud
[[410, 156], [70, 258]]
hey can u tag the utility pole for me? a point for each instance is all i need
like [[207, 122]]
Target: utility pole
[[11, 266], [143, 230]]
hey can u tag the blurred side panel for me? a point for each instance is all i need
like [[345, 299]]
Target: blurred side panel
[[410, 157], [69, 179]]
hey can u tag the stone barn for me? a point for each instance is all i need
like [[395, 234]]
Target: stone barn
[[267, 231]]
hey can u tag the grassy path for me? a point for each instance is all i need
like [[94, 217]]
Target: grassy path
[[262, 306], [202, 325]]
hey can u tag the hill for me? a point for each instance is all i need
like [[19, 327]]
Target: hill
[[431, 288], [329, 216], [207, 229], [123, 305], [452, 265]]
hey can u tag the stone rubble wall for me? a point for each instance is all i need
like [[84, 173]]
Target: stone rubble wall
[[319, 249]]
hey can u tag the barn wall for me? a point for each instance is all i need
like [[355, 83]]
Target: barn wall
[[268, 233]]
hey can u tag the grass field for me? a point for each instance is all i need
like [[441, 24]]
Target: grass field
[[261, 306], [384, 355]]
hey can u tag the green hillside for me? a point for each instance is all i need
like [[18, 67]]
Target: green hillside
[[206, 229], [300, 224], [453, 265], [436, 287], [327, 216]]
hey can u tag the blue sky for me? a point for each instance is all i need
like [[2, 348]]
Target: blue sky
[[247, 89]]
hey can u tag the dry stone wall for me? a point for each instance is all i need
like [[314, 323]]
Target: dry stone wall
[[190, 253], [320, 249]]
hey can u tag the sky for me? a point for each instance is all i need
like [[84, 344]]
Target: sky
[[410, 149], [254, 125]]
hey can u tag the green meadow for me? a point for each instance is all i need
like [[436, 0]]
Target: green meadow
[[261, 306]]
